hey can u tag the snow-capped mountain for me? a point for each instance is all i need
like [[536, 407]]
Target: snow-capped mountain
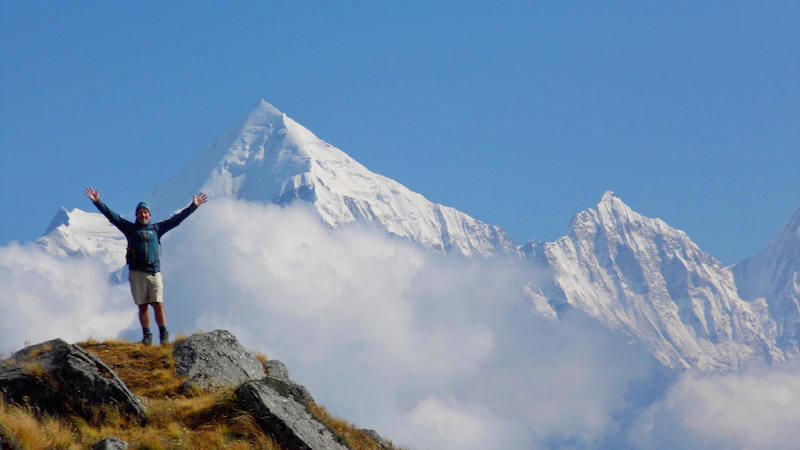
[[632, 273], [80, 233], [271, 158], [640, 276], [774, 275]]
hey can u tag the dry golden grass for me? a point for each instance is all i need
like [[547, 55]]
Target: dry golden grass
[[176, 418], [148, 371], [20, 428], [262, 358], [42, 349]]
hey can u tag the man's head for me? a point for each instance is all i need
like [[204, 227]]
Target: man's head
[[143, 213]]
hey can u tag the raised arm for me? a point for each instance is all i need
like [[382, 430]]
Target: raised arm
[[175, 220], [112, 217]]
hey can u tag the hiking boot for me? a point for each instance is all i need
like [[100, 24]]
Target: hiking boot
[[164, 337], [147, 339]]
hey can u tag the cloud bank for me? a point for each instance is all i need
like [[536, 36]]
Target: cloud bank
[[434, 351], [756, 409], [44, 297]]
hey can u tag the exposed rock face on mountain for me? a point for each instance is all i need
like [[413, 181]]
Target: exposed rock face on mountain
[[60, 378], [215, 360], [638, 275], [774, 275]]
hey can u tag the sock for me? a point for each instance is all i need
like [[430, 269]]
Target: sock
[[162, 330], [145, 331]]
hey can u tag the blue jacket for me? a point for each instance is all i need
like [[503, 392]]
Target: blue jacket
[[144, 241]]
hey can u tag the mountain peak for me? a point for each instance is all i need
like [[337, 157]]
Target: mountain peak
[[61, 218], [608, 196], [612, 203], [273, 159], [265, 114], [267, 108], [610, 210]]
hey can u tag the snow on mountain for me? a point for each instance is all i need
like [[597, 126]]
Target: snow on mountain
[[640, 276], [634, 274], [271, 158], [774, 275], [80, 233]]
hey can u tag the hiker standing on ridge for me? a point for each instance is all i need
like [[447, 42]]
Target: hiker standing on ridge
[[143, 258]]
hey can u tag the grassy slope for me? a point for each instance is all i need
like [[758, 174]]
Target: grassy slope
[[176, 420]]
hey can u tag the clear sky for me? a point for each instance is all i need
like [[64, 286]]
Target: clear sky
[[518, 113]]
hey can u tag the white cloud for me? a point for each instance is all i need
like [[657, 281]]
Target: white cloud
[[396, 338], [752, 410], [45, 297], [432, 350]]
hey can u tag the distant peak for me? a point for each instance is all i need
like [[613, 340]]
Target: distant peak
[[265, 106], [264, 114], [610, 210], [61, 218], [608, 196], [611, 202]]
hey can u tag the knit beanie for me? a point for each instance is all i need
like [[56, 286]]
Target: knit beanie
[[142, 205]]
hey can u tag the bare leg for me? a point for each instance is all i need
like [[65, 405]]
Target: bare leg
[[161, 316], [144, 317]]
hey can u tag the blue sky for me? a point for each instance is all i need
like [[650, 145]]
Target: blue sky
[[520, 114]]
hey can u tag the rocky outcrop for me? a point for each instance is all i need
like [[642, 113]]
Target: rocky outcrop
[[215, 360], [278, 378], [59, 378], [62, 379], [287, 420]]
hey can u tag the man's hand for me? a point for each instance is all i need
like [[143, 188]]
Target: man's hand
[[93, 195], [198, 200]]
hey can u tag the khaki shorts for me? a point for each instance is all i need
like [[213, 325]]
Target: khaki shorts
[[146, 287]]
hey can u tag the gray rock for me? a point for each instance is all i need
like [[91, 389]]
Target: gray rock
[[276, 369], [62, 379], [215, 360], [278, 378], [111, 443], [288, 421]]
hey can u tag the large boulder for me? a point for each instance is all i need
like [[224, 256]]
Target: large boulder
[[215, 360], [59, 378], [288, 421]]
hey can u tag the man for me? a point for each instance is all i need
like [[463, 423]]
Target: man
[[143, 258]]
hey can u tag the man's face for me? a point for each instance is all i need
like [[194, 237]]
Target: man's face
[[143, 216]]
